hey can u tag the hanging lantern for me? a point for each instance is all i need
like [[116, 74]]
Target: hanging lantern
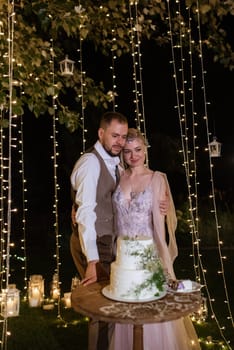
[[215, 148], [55, 290], [10, 302], [67, 66], [35, 290]]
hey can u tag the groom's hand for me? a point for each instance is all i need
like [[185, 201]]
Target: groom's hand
[[90, 274]]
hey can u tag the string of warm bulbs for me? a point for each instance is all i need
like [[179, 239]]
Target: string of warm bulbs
[[2, 197], [137, 66], [6, 225], [212, 196], [54, 157], [24, 205], [82, 86], [182, 89], [3, 230], [113, 93], [135, 41]]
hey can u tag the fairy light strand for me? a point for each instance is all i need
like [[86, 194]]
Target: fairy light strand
[[186, 153], [188, 160], [11, 101], [82, 85], [82, 80], [180, 118], [2, 191], [140, 82], [211, 166], [24, 204], [3, 231], [135, 91], [56, 185], [194, 144], [113, 93], [10, 39], [135, 42]]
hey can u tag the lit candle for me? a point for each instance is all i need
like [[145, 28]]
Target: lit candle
[[11, 305], [35, 297], [67, 299], [55, 292], [35, 290]]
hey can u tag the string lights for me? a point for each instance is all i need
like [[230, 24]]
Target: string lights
[[185, 93], [186, 82], [135, 41], [56, 184], [113, 94], [214, 209], [80, 10], [2, 200], [9, 296], [24, 203]]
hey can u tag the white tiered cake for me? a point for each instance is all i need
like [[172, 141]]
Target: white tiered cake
[[137, 274]]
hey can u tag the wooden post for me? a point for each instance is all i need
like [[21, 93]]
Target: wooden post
[[138, 337]]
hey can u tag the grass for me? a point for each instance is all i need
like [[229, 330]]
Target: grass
[[43, 330]]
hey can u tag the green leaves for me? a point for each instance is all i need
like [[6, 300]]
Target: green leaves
[[151, 263], [45, 31]]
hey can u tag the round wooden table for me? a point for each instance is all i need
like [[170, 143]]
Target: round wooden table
[[89, 301]]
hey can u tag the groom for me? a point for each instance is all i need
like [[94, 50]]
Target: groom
[[93, 181]]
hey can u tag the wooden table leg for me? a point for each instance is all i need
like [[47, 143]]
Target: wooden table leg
[[138, 337]]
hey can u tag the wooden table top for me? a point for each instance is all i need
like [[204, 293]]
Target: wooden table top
[[90, 301]]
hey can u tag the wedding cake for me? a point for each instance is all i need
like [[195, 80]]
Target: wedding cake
[[137, 273]]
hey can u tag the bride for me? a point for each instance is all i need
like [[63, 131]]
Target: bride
[[136, 203]]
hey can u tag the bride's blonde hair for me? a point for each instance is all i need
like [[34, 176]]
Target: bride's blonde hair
[[133, 134]]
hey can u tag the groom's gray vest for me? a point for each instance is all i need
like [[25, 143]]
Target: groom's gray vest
[[104, 211]]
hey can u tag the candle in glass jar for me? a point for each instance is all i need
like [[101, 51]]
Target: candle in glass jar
[[67, 299], [35, 297]]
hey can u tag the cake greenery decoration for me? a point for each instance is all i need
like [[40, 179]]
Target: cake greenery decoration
[[148, 260]]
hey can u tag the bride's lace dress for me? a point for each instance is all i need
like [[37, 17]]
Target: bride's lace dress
[[134, 217]]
